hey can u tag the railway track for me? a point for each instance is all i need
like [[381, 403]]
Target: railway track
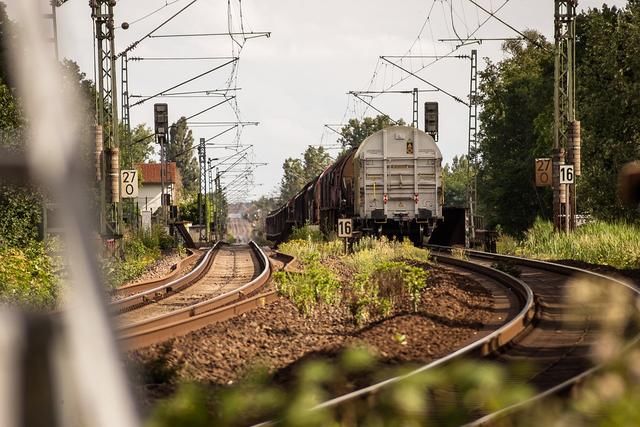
[[226, 282], [549, 332]]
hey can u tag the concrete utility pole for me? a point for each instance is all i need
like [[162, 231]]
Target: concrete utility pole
[[566, 145], [107, 117]]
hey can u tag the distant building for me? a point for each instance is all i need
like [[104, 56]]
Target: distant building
[[151, 186]]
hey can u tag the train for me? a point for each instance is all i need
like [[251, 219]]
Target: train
[[390, 185]]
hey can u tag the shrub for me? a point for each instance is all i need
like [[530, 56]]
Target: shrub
[[27, 277], [307, 233]]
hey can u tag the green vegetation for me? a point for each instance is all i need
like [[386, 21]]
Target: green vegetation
[[356, 131], [516, 121], [139, 251], [617, 245], [372, 281], [308, 233], [297, 172], [454, 179], [27, 277], [609, 398]]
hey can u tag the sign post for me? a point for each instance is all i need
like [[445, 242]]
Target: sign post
[[345, 230]]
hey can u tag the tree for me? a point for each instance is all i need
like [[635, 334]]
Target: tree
[[356, 131], [608, 77], [297, 172], [7, 37], [315, 161], [181, 150], [293, 178], [516, 125], [136, 146], [455, 179]]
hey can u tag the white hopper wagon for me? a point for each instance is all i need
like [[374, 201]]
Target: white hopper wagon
[[398, 183]]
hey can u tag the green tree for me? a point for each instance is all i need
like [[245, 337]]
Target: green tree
[[515, 128], [298, 172], [608, 77], [455, 178], [7, 34], [316, 159], [293, 178], [356, 131], [181, 150], [136, 146]]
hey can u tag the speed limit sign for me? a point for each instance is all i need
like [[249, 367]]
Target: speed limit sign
[[129, 184]]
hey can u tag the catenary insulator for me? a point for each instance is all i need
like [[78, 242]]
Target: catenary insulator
[[99, 150], [574, 146], [115, 175]]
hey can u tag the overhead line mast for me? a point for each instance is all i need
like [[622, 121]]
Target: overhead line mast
[[566, 144]]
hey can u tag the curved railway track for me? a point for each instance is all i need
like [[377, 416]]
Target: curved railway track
[[550, 333], [226, 282]]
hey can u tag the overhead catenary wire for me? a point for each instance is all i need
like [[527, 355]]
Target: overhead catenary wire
[[209, 108], [167, 4], [252, 34], [165, 22], [184, 82], [520, 33]]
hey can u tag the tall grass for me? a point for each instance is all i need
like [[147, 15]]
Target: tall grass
[[614, 244]]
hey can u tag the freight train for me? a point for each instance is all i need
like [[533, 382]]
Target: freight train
[[389, 185]]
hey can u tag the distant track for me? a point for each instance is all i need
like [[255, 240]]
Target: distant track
[[236, 273]]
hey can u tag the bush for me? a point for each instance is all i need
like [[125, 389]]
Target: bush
[[379, 269], [27, 277], [307, 233], [315, 285], [140, 250]]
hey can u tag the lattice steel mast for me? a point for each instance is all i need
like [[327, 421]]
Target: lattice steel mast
[[472, 147], [566, 128], [107, 116]]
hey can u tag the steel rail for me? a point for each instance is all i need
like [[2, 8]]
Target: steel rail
[[571, 382], [481, 347], [154, 283], [166, 289], [191, 318]]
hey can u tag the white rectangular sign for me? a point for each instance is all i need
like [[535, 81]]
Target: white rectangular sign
[[566, 174], [129, 184], [345, 227]]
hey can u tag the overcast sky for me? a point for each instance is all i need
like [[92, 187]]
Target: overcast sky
[[295, 82]]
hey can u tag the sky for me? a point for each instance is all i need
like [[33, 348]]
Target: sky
[[296, 81]]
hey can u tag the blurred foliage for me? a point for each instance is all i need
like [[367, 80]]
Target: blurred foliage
[[27, 277]]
